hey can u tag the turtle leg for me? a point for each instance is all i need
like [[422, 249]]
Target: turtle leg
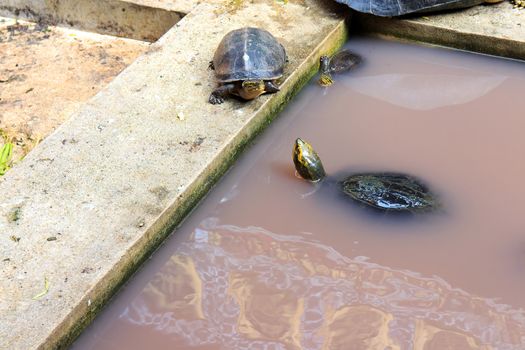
[[211, 65], [286, 55], [270, 87], [218, 95]]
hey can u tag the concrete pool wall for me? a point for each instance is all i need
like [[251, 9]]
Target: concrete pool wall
[[96, 197]]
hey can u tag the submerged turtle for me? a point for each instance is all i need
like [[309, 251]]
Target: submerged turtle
[[341, 62], [392, 192], [389, 8], [247, 62]]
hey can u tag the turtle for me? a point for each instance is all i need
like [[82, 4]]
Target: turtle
[[341, 62], [391, 8], [247, 63], [381, 191]]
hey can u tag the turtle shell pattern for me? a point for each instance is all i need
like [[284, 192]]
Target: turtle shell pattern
[[390, 192], [247, 54], [387, 8]]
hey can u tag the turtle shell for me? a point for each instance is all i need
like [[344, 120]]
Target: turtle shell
[[388, 8], [249, 53], [390, 192]]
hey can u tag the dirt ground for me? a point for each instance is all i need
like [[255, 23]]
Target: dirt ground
[[47, 72]]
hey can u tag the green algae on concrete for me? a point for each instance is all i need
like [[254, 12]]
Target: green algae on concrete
[[497, 29], [113, 181]]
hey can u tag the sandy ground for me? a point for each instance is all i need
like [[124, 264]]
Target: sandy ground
[[47, 72]]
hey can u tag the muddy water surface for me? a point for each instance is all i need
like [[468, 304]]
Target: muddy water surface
[[271, 262]]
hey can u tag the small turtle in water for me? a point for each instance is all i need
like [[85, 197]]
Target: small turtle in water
[[341, 62], [389, 192], [247, 63], [389, 8]]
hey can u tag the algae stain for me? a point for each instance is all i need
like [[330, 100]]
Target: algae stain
[[233, 6], [14, 215], [161, 192]]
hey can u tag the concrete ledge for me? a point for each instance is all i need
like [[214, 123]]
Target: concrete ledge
[[181, 6], [130, 19], [491, 29], [91, 202]]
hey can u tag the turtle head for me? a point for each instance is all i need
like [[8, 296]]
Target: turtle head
[[324, 67], [251, 89], [324, 64], [307, 163]]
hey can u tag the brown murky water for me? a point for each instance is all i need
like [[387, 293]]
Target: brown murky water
[[268, 262]]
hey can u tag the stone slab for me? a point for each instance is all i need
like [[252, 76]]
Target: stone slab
[[182, 6], [497, 29], [92, 201], [48, 72], [137, 19]]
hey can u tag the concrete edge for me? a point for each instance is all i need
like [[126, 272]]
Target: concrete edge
[[181, 6], [431, 33], [174, 214]]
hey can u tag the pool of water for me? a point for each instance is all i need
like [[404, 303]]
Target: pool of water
[[269, 261]]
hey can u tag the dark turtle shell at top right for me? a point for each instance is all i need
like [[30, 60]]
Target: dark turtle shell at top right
[[390, 8]]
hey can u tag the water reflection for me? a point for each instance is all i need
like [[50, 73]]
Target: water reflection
[[248, 288], [425, 91]]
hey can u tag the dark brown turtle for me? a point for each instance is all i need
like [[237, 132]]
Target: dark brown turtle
[[389, 8], [247, 62], [341, 62], [384, 191]]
